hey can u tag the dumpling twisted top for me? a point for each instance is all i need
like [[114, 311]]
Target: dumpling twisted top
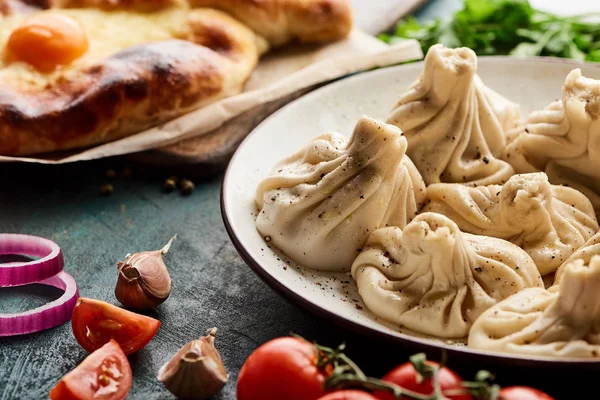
[[585, 253], [564, 139], [320, 205], [431, 278], [549, 222], [453, 123], [561, 322]]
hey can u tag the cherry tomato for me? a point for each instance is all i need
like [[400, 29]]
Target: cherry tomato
[[95, 323], [522, 393], [47, 40], [283, 368], [405, 376], [103, 375], [349, 395]]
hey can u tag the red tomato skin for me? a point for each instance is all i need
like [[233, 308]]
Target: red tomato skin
[[104, 321], [405, 376], [61, 392], [522, 393], [283, 368], [79, 383], [349, 395]]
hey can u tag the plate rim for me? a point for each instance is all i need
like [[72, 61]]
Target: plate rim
[[295, 298]]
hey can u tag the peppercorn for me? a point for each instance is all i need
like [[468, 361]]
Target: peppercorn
[[107, 189], [126, 172], [170, 184], [186, 186]]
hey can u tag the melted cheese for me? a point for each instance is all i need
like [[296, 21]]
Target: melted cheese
[[107, 32]]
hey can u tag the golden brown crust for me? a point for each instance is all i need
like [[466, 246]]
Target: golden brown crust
[[112, 5], [280, 21], [134, 89], [226, 36], [151, 83]]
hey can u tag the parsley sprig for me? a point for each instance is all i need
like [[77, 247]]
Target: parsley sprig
[[507, 27]]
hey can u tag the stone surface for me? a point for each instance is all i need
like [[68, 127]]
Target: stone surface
[[211, 284]]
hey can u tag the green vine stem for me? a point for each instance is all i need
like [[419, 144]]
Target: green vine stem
[[345, 373]]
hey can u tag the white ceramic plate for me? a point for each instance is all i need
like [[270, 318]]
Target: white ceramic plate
[[533, 83]]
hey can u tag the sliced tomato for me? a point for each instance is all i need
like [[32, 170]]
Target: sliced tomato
[[349, 395], [95, 323], [103, 375]]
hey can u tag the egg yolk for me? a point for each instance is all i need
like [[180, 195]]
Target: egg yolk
[[47, 40]]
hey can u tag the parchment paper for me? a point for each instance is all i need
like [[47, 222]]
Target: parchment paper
[[278, 75]]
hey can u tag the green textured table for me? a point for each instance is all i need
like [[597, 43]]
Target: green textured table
[[211, 284]]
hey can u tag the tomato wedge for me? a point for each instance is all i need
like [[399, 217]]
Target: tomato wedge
[[103, 375], [95, 323]]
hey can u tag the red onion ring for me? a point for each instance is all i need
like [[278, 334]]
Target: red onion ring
[[47, 316], [51, 260]]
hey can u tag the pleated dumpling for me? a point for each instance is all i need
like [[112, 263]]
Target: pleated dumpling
[[585, 253], [549, 222], [453, 123], [564, 139], [433, 279], [563, 321], [320, 205], [507, 112]]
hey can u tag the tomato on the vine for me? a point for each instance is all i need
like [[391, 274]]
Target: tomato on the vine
[[283, 368], [349, 395], [522, 393], [405, 376]]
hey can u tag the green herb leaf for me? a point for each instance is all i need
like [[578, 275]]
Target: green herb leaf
[[408, 27], [574, 52], [534, 36], [593, 56], [385, 37], [525, 50], [506, 27], [484, 376]]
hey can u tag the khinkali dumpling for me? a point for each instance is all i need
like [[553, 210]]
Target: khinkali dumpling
[[320, 205], [561, 322], [549, 222], [564, 139], [507, 112], [433, 279], [590, 249], [450, 120]]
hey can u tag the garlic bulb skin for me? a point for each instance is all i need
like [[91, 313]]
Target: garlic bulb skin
[[196, 371], [144, 282]]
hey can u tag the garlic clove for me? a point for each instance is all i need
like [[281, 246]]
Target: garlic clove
[[196, 371], [144, 282]]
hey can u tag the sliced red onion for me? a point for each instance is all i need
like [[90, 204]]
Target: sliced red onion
[[49, 264], [47, 316]]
